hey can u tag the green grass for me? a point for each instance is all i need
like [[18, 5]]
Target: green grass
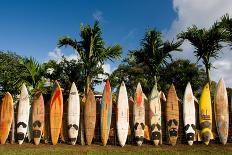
[[60, 149]]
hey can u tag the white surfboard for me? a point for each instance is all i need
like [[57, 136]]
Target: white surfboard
[[23, 114], [139, 115], [122, 115], [189, 114], [73, 114]]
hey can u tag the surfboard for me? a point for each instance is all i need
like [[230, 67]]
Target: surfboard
[[122, 115], [7, 114], [172, 115], [221, 109], [73, 114], [106, 113], [23, 114], [205, 115], [155, 116], [139, 115], [90, 117], [38, 116], [189, 114], [56, 112]]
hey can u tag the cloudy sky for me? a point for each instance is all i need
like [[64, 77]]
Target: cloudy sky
[[32, 28]]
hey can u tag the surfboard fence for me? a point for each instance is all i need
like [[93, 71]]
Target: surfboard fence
[[46, 138]]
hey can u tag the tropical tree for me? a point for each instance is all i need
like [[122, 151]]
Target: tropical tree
[[32, 73], [226, 24], [155, 53], [91, 50], [207, 44], [10, 80], [68, 71], [180, 72]]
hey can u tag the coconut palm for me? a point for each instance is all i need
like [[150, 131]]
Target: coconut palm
[[91, 50], [32, 73], [155, 53], [226, 24], [207, 44]]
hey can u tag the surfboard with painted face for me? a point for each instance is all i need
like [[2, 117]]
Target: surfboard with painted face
[[23, 114], [155, 116], [189, 114], [139, 115], [172, 115], [73, 114], [38, 116]]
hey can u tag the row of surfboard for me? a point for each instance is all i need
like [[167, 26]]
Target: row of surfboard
[[122, 115]]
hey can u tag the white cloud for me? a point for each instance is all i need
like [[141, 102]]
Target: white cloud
[[203, 14], [57, 54]]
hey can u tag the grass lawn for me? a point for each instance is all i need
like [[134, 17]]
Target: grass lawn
[[44, 149]]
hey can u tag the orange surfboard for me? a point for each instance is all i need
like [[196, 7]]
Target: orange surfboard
[[7, 114], [56, 112], [38, 115], [90, 117], [106, 113]]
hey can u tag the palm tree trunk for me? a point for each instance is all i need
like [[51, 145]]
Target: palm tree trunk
[[87, 84], [208, 76]]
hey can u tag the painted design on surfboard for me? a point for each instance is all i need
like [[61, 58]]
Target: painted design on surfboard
[[221, 109], [155, 115], [189, 114], [73, 114], [106, 112], [38, 116], [23, 115], [172, 114], [205, 115], [56, 112], [139, 115]]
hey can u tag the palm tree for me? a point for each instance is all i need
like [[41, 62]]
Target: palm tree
[[226, 24], [32, 73], [155, 53], [91, 50], [207, 44]]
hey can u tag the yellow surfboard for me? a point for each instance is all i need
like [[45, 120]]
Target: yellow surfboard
[[205, 115]]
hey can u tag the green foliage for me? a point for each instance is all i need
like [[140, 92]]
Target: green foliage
[[155, 53], [10, 80], [180, 72], [207, 43], [226, 24], [32, 74], [67, 72], [92, 50]]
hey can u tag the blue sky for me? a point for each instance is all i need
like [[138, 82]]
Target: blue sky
[[33, 27]]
